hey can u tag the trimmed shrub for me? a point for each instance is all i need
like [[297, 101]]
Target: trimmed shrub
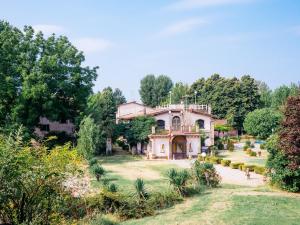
[[215, 160], [235, 165], [260, 170], [251, 167], [245, 147], [230, 146], [252, 146], [200, 158], [251, 153], [207, 159], [241, 166], [262, 146], [225, 162], [248, 143]]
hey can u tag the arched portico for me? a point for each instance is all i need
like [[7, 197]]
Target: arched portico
[[179, 147]]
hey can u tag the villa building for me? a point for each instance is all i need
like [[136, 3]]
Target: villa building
[[178, 129]]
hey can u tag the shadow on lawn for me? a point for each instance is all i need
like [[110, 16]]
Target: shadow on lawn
[[118, 159]]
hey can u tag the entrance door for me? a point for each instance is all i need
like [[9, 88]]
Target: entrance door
[[179, 147]]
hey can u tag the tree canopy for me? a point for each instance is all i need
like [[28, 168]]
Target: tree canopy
[[284, 149], [229, 98], [102, 107], [262, 122], [41, 77], [155, 90]]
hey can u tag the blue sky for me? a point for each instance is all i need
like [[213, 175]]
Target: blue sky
[[184, 39]]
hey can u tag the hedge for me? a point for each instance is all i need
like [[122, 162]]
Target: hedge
[[225, 162], [251, 167], [235, 165], [215, 160], [260, 170]]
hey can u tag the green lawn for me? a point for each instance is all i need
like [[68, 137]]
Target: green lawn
[[229, 204]]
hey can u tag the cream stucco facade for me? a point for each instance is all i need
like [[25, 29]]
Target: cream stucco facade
[[178, 130]]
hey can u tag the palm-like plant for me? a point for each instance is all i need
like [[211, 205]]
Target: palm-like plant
[[178, 179], [98, 170], [140, 189]]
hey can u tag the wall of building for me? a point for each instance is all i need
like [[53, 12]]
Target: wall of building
[[191, 119], [193, 145], [157, 147], [133, 108], [67, 127]]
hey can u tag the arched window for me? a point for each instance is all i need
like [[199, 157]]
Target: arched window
[[160, 124], [200, 123], [176, 123]]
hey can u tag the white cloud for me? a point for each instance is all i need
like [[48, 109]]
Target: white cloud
[[92, 45], [181, 27], [48, 29], [191, 4]]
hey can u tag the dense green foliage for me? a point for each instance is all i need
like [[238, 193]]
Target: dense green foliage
[[102, 107], [178, 93], [155, 90], [290, 133], [262, 122], [229, 98], [40, 77], [32, 181], [88, 138], [279, 172], [284, 149], [137, 130]]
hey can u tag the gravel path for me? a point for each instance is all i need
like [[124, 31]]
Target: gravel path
[[229, 176]]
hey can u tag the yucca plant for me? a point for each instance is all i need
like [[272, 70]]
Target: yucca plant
[[98, 170], [178, 179], [140, 189], [112, 187]]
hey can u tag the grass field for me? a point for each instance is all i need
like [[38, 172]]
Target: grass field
[[229, 204]]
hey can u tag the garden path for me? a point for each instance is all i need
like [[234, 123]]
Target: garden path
[[229, 176]]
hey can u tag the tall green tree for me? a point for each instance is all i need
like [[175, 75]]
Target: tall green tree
[[10, 65], [138, 130], [147, 90], [265, 94], [102, 108], [284, 149], [179, 91], [281, 94], [230, 98], [119, 97], [43, 77], [88, 138], [262, 122], [155, 90]]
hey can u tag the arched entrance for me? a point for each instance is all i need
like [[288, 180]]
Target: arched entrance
[[179, 147]]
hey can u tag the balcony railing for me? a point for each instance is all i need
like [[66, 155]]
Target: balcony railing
[[205, 108]]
